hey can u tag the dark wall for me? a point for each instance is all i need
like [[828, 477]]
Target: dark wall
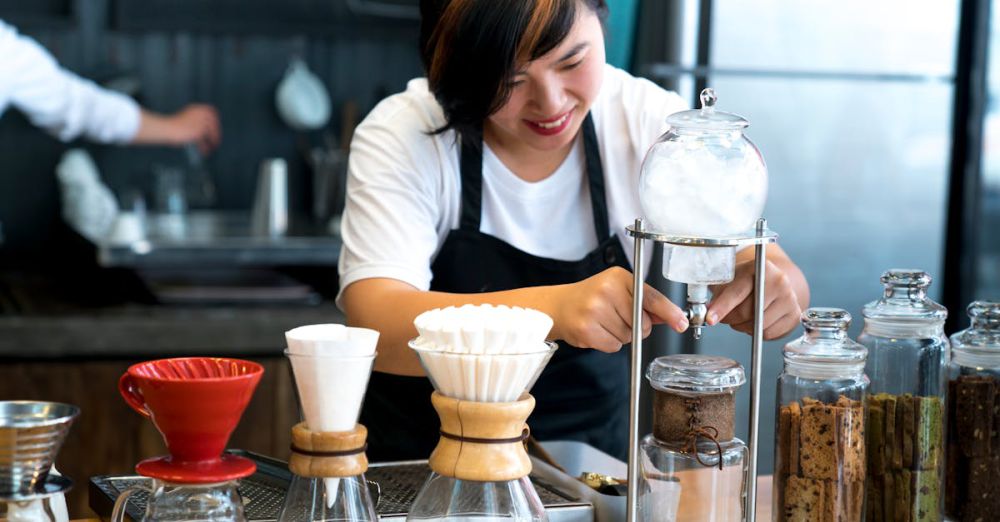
[[233, 59]]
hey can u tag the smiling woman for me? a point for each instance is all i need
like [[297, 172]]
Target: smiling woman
[[507, 177]]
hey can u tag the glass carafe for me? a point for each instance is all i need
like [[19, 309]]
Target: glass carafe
[[819, 448], [216, 502], [907, 351], [693, 466], [973, 431]]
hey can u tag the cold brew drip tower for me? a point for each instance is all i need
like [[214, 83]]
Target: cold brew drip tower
[[702, 188]]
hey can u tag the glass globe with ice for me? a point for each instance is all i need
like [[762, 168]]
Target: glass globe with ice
[[703, 178]]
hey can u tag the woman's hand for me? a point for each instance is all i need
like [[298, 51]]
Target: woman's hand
[[597, 312], [733, 302]]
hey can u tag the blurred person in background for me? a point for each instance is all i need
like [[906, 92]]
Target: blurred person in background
[[68, 106]]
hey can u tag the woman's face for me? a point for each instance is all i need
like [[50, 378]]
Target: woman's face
[[551, 96]]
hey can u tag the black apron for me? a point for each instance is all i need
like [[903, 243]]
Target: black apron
[[581, 395]]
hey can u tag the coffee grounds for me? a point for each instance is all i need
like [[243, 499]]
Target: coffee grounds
[[675, 415]]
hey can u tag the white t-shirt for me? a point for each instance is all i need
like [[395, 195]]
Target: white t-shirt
[[404, 185], [57, 100]]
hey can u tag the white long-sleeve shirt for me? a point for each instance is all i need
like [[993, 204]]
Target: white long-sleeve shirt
[[62, 103]]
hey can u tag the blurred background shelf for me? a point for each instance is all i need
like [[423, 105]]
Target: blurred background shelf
[[215, 238]]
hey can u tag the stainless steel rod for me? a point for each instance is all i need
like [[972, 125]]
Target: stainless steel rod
[[633, 412], [756, 370]]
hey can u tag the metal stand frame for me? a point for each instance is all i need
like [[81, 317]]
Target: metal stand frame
[[760, 240]]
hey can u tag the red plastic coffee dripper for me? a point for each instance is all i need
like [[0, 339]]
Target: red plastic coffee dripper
[[195, 403]]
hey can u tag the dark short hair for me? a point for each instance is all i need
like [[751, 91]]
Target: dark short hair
[[471, 48]]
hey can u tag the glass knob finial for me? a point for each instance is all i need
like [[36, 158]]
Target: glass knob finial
[[708, 99]]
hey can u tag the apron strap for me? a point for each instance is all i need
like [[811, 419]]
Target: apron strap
[[471, 165], [595, 177]]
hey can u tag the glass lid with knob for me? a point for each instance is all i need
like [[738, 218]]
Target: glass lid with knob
[[905, 299], [979, 345]]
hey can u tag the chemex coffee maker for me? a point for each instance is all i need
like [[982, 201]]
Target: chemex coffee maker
[[332, 364], [481, 360], [195, 403], [31, 434]]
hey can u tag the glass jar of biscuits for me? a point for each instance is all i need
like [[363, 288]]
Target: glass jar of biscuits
[[973, 430], [820, 433]]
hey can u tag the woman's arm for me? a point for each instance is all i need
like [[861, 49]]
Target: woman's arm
[[786, 294], [593, 313]]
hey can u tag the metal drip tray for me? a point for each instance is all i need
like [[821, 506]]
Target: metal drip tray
[[264, 492]]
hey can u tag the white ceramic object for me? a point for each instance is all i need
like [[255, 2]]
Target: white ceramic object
[[302, 100]]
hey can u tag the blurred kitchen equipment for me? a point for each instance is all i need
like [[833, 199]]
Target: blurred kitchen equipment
[[270, 209], [31, 434], [88, 205], [329, 168], [399, 9], [302, 100], [199, 185], [170, 201]]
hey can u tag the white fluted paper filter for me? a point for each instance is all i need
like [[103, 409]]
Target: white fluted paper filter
[[483, 329], [484, 377], [483, 353], [332, 364]]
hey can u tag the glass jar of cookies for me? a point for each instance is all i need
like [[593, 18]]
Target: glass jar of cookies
[[973, 430], [820, 433]]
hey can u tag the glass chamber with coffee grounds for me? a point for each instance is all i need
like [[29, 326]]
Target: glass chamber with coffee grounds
[[907, 351], [819, 469], [693, 466], [973, 430]]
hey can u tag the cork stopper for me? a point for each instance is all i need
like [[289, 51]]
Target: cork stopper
[[482, 441], [334, 454]]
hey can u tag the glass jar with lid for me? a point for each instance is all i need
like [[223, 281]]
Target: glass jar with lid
[[693, 466], [907, 351], [819, 445], [973, 430]]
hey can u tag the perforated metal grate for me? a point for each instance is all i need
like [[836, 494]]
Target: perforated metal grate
[[394, 485]]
